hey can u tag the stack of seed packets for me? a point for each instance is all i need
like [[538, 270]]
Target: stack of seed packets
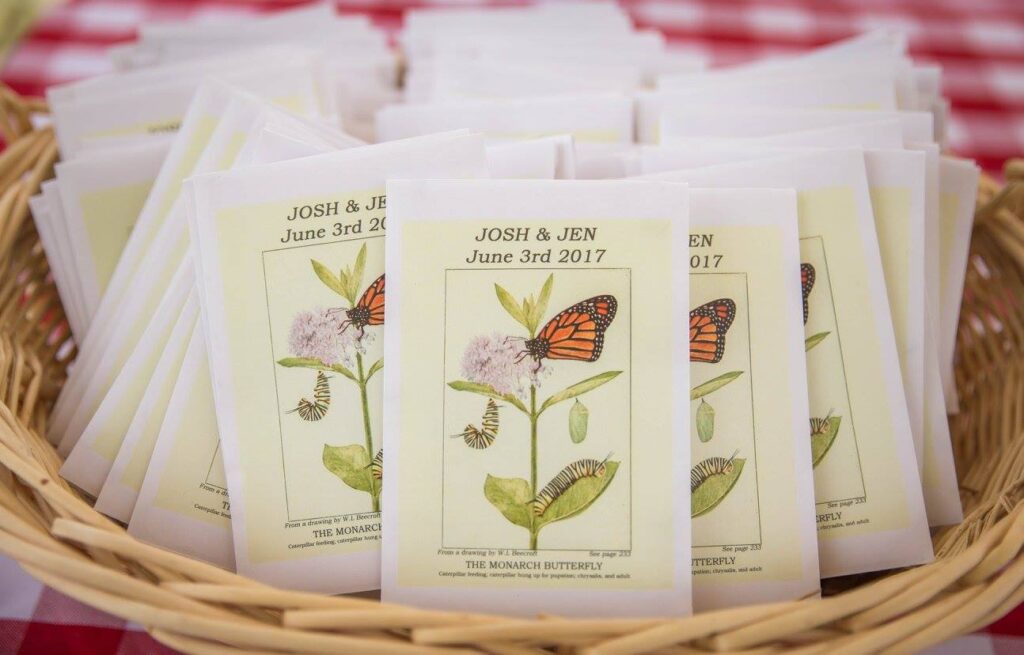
[[638, 329]]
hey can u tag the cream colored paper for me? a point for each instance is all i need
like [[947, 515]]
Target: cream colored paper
[[754, 536], [870, 509], [474, 528], [305, 503], [62, 236], [63, 274], [103, 194]]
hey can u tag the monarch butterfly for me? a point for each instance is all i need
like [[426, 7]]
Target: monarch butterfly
[[377, 465], [584, 468], [806, 284], [708, 325], [484, 436], [574, 333], [711, 466], [369, 310], [317, 409], [820, 425]]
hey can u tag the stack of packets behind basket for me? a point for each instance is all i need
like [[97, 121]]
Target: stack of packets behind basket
[[652, 332]]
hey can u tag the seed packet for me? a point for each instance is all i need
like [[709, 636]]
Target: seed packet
[[958, 189], [754, 537], [590, 119], [292, 296], [534, 455], [162, 258], [870, 509], [862, 92], [102, 194], [158, 109], [58, 227], [183, 501], [63, 275], [199, 122], [88, 463]]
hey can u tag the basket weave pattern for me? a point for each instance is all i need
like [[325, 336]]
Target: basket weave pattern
[[57, 536]]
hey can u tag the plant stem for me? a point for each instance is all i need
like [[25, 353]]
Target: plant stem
[[533, 463], [374, 492]]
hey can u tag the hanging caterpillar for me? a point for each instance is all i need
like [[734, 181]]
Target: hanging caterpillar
[[317, 409], [820, 425], [487, 433], [377, 465], [584, 468], [711, 466]]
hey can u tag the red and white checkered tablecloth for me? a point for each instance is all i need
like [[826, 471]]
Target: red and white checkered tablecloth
[[979, 43]]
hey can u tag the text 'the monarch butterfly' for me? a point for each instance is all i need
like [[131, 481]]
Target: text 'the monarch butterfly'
[[575, 333], [369, 310], [584, 468], [317, 408], [807, 275], [484, 436], [708, 325], [709, 467]]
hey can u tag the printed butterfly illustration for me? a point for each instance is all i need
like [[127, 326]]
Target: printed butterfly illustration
[[806, 284], [484, 436], [574, 333], [566, 478], [317, 408], [709, 467], [708, 325], [369, 310]]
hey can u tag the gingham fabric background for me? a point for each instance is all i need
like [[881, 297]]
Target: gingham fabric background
[[979, 43]]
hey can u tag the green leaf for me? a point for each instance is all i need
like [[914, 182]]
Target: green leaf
[[821, 443], [511, 306], [377, 365], [713, 384], [327, 277], [705, 422], [489, 391], [542, 301], [814, 340], [713, 490], [511, 497], [579, 389], [351, 464], [578, 497], [316, 364], [355, 278], [579, 415]]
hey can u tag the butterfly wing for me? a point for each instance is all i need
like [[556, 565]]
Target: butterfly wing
[[578, 332], [807, 275], [708, 325], [373, 300]]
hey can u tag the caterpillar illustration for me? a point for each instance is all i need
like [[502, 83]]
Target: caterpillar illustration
[[377, 465], [820, 425], [711, 466], [584, 468], [487, 433], [317, 409]]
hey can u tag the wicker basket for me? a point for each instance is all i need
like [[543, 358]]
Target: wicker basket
[[194, 607]]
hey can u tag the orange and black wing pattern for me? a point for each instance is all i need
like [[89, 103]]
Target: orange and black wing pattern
[[578, 332], [373, 301], [708, 325], [806, 284]]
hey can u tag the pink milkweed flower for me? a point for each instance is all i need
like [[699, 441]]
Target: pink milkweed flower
[[316, 335], [496, 360]]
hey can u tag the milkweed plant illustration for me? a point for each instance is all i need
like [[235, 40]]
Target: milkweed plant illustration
[[823, 429], [509, 370], [335, 340], [711, 479]]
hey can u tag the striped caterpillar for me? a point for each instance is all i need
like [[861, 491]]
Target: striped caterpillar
[[377, 465], [484, 436], [711, 466], [317, 409], [584, 468], [820, 425]]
